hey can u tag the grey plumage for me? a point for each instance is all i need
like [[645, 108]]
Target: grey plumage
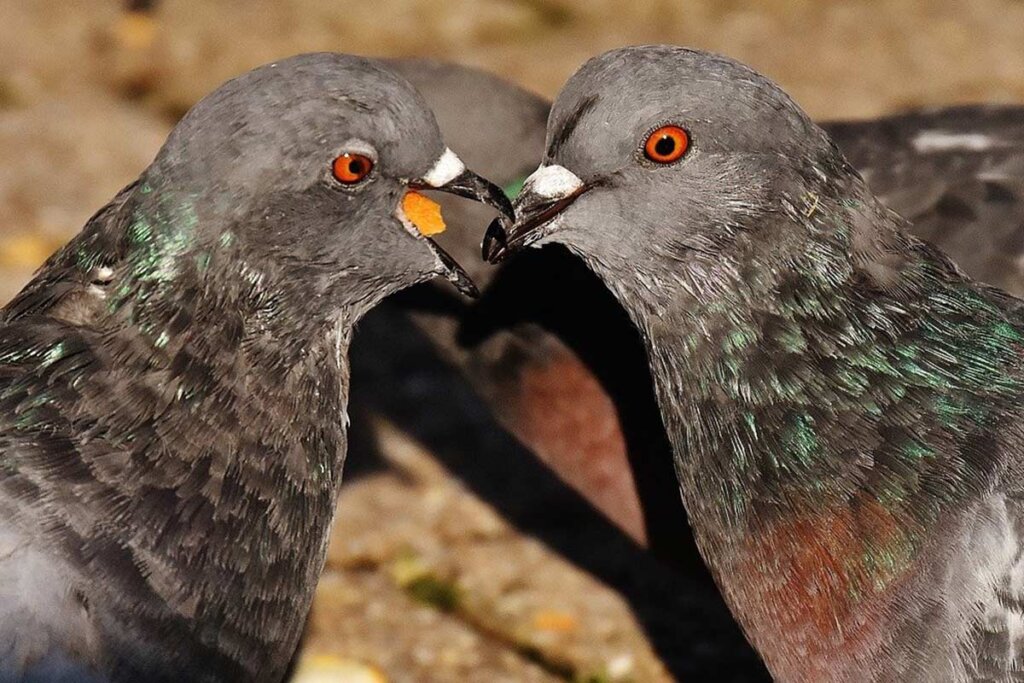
[[843, 404], [173, 382]]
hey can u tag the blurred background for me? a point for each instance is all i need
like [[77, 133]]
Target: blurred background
[[428, 580]]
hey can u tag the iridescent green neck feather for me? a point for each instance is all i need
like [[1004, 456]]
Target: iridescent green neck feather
[[849, 370]]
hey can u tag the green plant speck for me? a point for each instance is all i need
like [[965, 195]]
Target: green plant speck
[[436, 592]]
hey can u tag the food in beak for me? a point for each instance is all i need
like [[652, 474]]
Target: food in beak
[[424, 213]]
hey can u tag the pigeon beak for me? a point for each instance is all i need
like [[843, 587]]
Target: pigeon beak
[[450, 175], [422, 216], [452, 271], [546, 194]]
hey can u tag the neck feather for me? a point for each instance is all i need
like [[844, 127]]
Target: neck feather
[[207, 410], [832, 389]]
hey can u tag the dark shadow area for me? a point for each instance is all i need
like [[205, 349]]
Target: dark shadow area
[[396, 374], [555, 290]]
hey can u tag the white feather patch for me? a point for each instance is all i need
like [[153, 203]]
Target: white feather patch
[[553, 182], [447, 169]]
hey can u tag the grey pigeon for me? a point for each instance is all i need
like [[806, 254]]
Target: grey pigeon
[[173, 382], [565, 377], [843, 403], [555, 358]]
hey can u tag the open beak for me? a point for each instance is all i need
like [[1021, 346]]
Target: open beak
[[423, 216], [545, 195]]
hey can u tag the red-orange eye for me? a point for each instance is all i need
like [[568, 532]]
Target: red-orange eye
[[351, 168], [667, 144]]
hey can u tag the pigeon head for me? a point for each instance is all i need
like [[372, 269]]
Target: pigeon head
[[659, 154], [309, 172]]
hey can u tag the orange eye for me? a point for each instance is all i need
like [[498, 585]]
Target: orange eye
[[351, 168], [667, 144]]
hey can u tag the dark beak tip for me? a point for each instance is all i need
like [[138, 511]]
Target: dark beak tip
[[462, 282], [506, 207], [506, 237], [494, 243]]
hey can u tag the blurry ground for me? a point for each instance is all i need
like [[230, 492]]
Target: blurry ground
[[427, 581]]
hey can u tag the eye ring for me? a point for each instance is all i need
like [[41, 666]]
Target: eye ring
[[351, 168], [667, 144]]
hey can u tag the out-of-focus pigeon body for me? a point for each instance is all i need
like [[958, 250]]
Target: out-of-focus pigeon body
[[957, 174]]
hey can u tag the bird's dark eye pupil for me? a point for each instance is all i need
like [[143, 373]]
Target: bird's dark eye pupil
[[665, 146], [355, 167]]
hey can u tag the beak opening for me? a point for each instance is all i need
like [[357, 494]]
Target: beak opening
[[504, 238], [450, 175]]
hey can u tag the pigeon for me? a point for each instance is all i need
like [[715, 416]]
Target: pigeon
[[957, 173], [174, 381], [843, 402], [567, 380]]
